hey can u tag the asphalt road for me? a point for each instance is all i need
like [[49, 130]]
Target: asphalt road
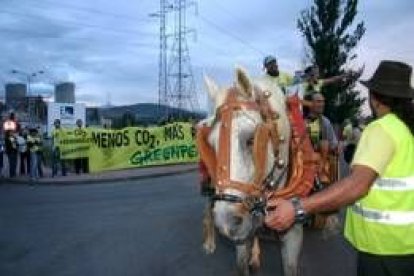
[[146, 227]]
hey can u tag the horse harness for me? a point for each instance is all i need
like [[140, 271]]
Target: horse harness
[[218, 164]]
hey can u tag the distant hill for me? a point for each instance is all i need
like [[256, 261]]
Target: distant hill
[[146, 113]]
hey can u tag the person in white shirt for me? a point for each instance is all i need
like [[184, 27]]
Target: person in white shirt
[[23, 153]]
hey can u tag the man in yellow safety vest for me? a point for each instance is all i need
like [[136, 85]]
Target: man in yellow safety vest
[[57, 161], [379, 192]]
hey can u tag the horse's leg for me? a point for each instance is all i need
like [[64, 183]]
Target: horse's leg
[[243, 252], [209, 235], [255, 258], [291, 243]]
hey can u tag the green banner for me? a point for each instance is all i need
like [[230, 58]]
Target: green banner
[[130, 147]]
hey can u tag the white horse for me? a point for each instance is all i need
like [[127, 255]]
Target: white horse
[[227, 214]]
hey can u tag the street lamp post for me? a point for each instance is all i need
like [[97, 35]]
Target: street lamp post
[[29, 78]]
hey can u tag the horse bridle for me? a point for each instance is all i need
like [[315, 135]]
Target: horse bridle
[[219, 169]]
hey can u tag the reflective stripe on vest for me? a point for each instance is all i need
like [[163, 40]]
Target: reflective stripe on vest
[[387, 217], [394, 184]]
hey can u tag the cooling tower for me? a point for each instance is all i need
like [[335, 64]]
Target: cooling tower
[[65, 92]]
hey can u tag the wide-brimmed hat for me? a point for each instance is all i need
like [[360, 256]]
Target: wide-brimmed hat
[[392, 78]]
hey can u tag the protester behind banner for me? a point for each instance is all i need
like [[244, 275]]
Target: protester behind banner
[[81, 162], [57, 161]]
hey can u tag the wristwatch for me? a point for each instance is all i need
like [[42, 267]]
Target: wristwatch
[[300, 214]]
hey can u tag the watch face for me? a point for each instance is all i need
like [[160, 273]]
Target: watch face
[[299, 212]]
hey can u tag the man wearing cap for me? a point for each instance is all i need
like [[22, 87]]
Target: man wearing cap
[[273, 76], [379, 192]]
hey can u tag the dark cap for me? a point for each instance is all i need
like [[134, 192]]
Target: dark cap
[[268, 60]]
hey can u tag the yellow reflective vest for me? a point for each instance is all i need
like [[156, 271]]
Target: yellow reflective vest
[[56, 136], [34, 142], [314, 130], [382, 222]]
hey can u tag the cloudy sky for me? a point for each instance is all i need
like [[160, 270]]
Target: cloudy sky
[[110, 48]]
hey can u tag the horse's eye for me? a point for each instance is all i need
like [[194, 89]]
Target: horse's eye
[[249, 142]]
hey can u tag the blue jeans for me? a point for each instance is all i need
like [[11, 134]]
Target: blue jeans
[[57, 162], [34, 164], [1, 162], [12, 156]]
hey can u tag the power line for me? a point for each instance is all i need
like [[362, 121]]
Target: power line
[[228, 33], [27, 34], [212, 48], [165, 8], [78, 24], [226, 11], [182, 92], [118, 16]]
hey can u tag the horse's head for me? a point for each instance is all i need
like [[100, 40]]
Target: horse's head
[[233, 137]]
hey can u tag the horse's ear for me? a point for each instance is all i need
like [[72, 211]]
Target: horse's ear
[[243, 82], [212, 88]]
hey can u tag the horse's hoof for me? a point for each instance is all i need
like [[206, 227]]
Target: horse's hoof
[[209, 248]]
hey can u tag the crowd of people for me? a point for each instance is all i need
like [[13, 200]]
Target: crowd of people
[[24, 149], [308, 84]]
